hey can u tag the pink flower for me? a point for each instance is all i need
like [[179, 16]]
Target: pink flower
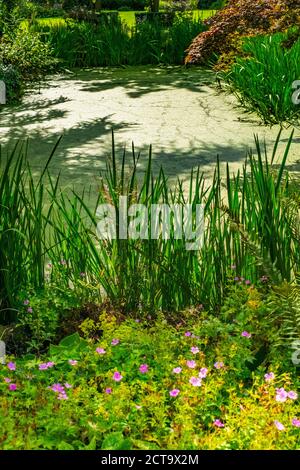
[[115, 341], [195, 381], [100, 351], [12, 387], [62, 396], [46, 365], [11, 366], [137, 320], [292, 395], [177, 370], [218, 423], [296, 422], [144, 368], [7, 380], [247, 282], [108, 390], [269, 377], [281, 395], [174, 392], [191, 364], [187, 333], [219, 365], [246, 334], [29, 310], [138, 407], [67, 385], [57, 388], [279, 425], [73, 362], [117, 376], [26, 302], [194, 349], [203, 373]]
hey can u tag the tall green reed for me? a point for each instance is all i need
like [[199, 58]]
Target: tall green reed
[[246, 224], [25, 211], [262, 79]]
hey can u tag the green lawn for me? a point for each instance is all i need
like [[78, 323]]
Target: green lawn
[[129, 17]]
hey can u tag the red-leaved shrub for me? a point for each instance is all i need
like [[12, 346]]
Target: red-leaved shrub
[[241, 18]]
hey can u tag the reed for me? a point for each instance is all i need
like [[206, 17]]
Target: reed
[[246, 224]]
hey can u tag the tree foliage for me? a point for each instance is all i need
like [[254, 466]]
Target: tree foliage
[[241, 18]]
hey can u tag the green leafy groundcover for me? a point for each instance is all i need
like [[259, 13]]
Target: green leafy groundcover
[[145, 384]]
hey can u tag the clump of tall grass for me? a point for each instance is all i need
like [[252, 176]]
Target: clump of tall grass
[[263, 78], [25, 211], [246, 224], [81, 44]]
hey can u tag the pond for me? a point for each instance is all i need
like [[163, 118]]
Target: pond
[[180, 111]]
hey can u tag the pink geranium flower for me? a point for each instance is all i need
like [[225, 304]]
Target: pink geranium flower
[[279, 425], [292, 395], [115, 341], [245, 334], [108, 390], [57, 388], [144, 368], [100, 351], [117, 377], [296, 422], [7, 380], [203, 372], [12, 387], [191, 364], [218, 365], [194, 349], [269, 377], [187, 333], [62, 396], [195, 381], [177, 370], [281, 395], [73, 362], [174, 392], [218, 423], [11, 366]]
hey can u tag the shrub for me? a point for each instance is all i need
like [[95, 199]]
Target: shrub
[[12, 79], [134, 389], [240, 18], [28, 54]]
